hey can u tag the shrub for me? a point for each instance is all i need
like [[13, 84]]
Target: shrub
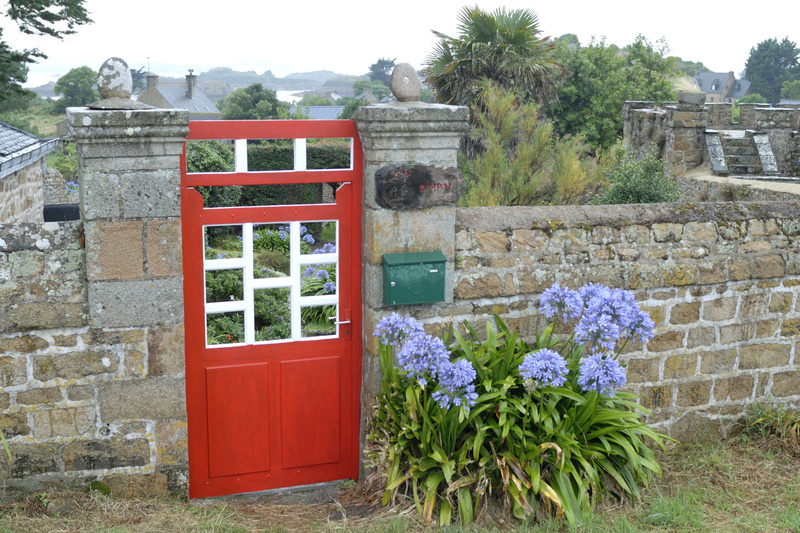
[[542, 426], [520, 160], [637, 179]]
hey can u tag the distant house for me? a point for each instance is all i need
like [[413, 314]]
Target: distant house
[[722, 86], [319, 112], [22, 167], [180, 95]]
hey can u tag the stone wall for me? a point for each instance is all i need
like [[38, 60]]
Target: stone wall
[[91, 320], [22, 195], [720, 280]]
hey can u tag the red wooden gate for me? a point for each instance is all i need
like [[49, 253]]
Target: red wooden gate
[[273, 366]]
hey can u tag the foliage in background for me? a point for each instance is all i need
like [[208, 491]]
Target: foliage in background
[[504, 46], [766, 420], [770, 64], [66, 162], [253, 102], [54, 18], [77, 88], [541, 427], [213, 156], [381, 71], [521, 161], [637, 179], [602, 79], [790, 90]]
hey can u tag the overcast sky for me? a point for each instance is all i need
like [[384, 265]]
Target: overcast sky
[[347, 37]]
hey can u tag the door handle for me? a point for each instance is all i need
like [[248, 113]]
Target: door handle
[[339, 321]]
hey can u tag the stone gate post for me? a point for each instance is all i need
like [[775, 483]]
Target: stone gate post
[[411, 184], [129, 167]]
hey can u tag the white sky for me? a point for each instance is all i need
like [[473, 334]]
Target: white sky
[[347, 37]]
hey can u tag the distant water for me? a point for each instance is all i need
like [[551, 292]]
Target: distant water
[[290, 96]]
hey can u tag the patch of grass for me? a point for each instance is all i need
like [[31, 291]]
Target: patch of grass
[[741, 486]]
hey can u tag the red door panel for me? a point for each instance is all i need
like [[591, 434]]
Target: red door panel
[[265, 414]]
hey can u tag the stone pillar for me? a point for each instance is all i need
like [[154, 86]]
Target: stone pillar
[[686, 125], [747, 115], [628, 121], [129, 167], [411, 185]]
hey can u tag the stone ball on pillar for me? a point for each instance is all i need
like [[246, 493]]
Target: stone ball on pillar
[[405, 84], [114, 79]]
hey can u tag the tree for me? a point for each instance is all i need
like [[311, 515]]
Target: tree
[[790, 90], [378, 90], [315, 99], [381, 71], [77, 88], [54, 18], [770, 64], [139, 78], [503, 46], [253, 102], [603, 77], [522, 162]]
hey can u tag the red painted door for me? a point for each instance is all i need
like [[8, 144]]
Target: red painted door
[[273, 318]]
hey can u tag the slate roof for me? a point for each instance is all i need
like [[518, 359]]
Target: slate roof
[[19, 149], [174, 95], [320, 112], [717, 80]]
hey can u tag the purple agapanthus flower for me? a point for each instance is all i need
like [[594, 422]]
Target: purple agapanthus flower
[[322, 274], [309, 271], [422, 357], [329, 287], [641, 327], [394, 329], [308, 238], [598, 331], [558, 300], [327, 248], [456, 385], [601, 373], [544, 367]]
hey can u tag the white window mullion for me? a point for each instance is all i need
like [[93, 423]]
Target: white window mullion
[[294, 272], [240, 153], [300, 159], [247, 280]]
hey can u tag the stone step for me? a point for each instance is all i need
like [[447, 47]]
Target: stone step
[[744, 169]]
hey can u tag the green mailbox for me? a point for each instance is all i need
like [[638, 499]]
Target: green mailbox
[[413, 278]]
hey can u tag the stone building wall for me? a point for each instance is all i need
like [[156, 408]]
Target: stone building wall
[[22, 195], [720, 280], [91, 320]]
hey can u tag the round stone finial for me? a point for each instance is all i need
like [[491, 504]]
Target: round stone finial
[[405, 84], [114, 79]]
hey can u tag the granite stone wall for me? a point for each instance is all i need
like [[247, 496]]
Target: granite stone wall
[[720, 280], [91, 320], [22, 195]]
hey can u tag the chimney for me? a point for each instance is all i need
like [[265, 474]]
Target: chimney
[[152, 81], [191, 83]]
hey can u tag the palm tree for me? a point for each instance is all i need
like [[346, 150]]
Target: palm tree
[[503, 46]]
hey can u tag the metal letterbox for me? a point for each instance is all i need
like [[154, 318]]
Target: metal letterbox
[[413, 278]]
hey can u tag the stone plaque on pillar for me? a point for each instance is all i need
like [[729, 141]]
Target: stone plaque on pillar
[[405, 186]]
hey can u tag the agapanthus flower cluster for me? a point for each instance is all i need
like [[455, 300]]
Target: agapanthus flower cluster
[[424, 357], [456, 384], [558, 300], [605, 315], [601, 373], [544, 367], [394, 329]]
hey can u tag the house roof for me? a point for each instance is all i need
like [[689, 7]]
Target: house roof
[[320, 112], [173, 94], [714, 82], [19, 149]]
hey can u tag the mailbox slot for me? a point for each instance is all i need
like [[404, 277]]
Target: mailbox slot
[[413, 278]]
